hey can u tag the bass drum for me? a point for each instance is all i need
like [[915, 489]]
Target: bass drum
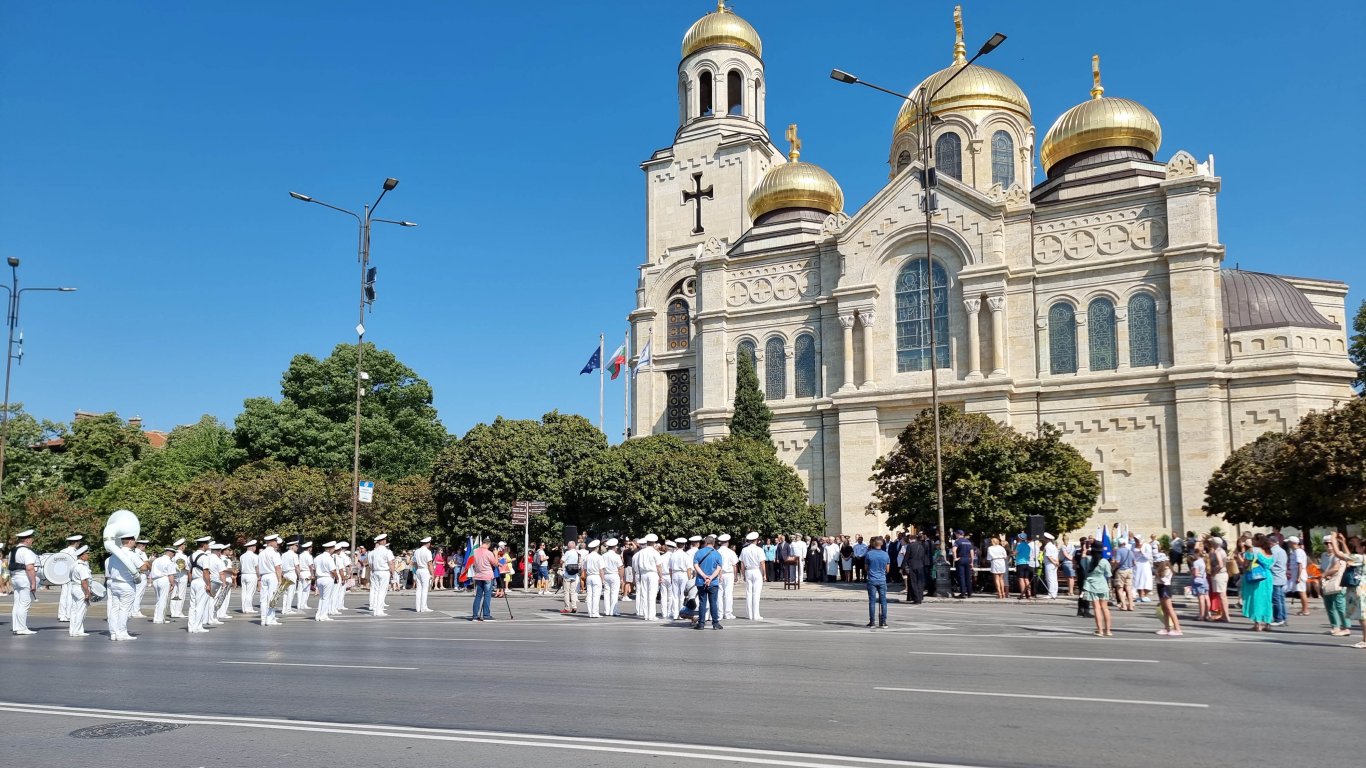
[[96, 591], [56, 568]]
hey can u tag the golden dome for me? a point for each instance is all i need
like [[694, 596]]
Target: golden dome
[[796, 185], [977, 88], [722, 27], [1099, 123]]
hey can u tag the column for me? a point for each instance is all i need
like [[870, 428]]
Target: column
[[866, 318], [1083, 345], [1164, 333], [789, 351], [847, 323], [974, 306], [760, 367], [998, 334], [1122, 337]]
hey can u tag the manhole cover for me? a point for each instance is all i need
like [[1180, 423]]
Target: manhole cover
[[123, 729]]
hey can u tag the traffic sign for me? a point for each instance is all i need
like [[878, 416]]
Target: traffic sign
[[366, 491]]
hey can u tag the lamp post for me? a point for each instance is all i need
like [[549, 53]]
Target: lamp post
[[14, 292], [924, 102], [367, 296]]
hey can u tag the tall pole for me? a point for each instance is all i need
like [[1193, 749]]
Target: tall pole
[[602, 382], [364, 258], [626, 385], [926, 143]]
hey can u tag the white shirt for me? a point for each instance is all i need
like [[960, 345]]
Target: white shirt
[[648, 561], [612, 564], [752, 557], [381, 558], [1050, 552], [422, 558], [677, 562], [163, 567], [343, 563], [571, 557], [289, 565], [80, 572], [247, 563], [23, 555], [728, 560], [267, 561], [324, 565], [592, 565], [996, 552], [832, 553], [122, 566], [306, 566], [799, 549], [215, 565]]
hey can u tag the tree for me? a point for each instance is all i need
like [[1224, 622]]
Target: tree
[[1054, 480], [780, 503], [30, 469], [99, 446], [1357, 351], [54, 515], [313, 422], [1248, 486], [751, 417]]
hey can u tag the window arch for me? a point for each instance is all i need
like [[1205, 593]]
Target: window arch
[[805, 365], [1142, 330], [704, 100], [903, 160], [735, 88], [1002, 159], [1100, 335], [746, 348], [775, 369], [922, 297], [679, 326], [948, 155], [1062, 338]]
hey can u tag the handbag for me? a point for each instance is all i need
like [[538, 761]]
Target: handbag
[[1351, 576], [1257, 573], [1332, 584]]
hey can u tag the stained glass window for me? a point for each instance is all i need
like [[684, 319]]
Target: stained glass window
[[1142, 330], [1100, 335], [1062, 338], [913, 302], [775, 370], [805, 370], [679, 412], [948, 155], [679, 328], [1002, 159]]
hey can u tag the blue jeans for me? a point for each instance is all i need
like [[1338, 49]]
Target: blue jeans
[[1278, 603], [483, 599], [707, 595], [877, 598]]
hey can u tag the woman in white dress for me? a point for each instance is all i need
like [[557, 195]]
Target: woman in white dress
[[1143, 567], [996, 556]]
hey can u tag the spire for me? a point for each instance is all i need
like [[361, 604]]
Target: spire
[[960, 49], [1097, 90], [796, 143]]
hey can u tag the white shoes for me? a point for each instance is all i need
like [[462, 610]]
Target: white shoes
[[25, 632], [79, 634]]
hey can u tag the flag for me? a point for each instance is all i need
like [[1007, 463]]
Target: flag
[[1105, 542], [594, 362], [618, 361], [644, 358]]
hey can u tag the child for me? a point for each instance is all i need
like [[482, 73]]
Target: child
[[1164, 598], [1200, 582]]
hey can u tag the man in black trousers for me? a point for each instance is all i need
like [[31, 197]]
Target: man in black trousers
[[914, 564]]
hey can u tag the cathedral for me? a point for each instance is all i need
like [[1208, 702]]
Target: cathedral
[[1095, 300]]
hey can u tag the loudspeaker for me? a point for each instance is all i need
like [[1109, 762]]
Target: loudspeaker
[[1035, 527], [571, 533]]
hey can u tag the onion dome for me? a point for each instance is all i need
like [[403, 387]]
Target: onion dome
[[722, 28], [977, 88], [1100, 123], [795, 185]]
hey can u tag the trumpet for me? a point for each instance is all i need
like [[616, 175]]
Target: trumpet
[[180, 566]]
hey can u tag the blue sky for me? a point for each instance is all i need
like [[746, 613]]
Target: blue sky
[[146, 150]]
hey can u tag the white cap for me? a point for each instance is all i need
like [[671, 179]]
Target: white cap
[[329, 544], [611, 542], [250, 543], [272, 537], [343, 544], [203, 540], [426, 540], [1293, 539], [24, 534], [216, 545], [681, 540], [1048, 536], [1329, 536], [642, 541], [669, 543], [594, 544], [308, 543], [168, 549], [502, 543], [177, 542], [694, 539], [752, 536], [651, 538], [82, 550], [77, 537], [723, 537], [381, 537]]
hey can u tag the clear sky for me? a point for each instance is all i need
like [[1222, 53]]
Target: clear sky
[[146, 149]]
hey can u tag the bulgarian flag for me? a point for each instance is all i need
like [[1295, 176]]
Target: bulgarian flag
[[618, 361]]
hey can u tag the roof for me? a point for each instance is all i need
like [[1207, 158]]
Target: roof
[[1254, 300]]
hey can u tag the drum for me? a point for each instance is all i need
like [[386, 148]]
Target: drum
[[96, 591], [56, 568]]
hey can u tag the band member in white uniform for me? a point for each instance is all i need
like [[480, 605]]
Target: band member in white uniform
[[216, 567], [381, 560], [23, 578], [163, 570], [728, 561], [199, 584], [677, 564], [612, 567], [289, 571], [268, 574], [592, 575], [140, 552], [80, 594], [246, 564], [752, 563], [343, 562], [325, 569], [647, 577], [122, 571], [68, 597], [668, 609], [305, 575], [230, 580], [422, 574], [180, 584]]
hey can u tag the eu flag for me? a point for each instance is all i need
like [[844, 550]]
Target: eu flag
[[594, 362]]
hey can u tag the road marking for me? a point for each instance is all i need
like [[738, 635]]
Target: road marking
[[732, 755], [1052, 698], [466, 639], [1045, 658], [333, 666]]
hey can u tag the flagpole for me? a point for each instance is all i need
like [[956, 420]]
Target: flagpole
[[602, 379], [626, 393]]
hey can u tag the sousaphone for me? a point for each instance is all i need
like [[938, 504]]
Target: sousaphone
[[122, 524]]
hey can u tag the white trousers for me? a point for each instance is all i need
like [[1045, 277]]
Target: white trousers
[[667, 608], [379, 589], [424, 585], [76, 614], [1050, 576], [337, 602], [325, 587], [302, 593], [179, 587], [64, 603], [594, 595], [287, 605], [139, 590], [222, 596], [611, 590], [248, 592], [754, 584], [162, 585], [649, 590], [119, 603], [727, 595], [678, 588], [23, 598], [199, 595], [268, 585]]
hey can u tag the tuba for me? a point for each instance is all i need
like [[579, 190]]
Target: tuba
[[121, 524]]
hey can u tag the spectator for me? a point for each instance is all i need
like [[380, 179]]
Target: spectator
[[916, 556], [707, 567], [1144, 556], [1199, 581], [1352, 552], [1255, 591], [1297, 574], [1069, 565], [1279, 561], [1333, 567], [963, 563], [1218, 580], [878, 564], [846, 560], [860, 552], [1095, 588], [1124, 575], [1177, 550], [815, 562], [1164, 599], [439, 569], [484, 566], [996, 559], [771, 560], [1024, 567]]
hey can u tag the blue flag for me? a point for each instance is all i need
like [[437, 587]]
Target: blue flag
[[1105, 542], [594, 362]]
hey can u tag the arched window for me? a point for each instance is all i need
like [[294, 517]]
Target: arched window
[[704, 101], [775, 369], [1142, 330], [948, 155], [915, 295], [735, 88], [746, 348], [903, 160], [1062, 338], [805, 365], [1100, 335], [679, 328], [1002, 159]]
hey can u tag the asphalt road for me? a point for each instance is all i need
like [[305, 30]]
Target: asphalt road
[[961, 684]]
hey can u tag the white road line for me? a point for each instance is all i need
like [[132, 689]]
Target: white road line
[[466, 639], [523, 740], [334, 666], [1045, 658], [1052, 698]]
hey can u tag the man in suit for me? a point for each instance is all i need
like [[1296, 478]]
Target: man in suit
[[894, 552], [913, 565], [784, 552]]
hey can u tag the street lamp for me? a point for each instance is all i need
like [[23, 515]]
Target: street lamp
[[14, 292], [924, 102], [367, 296]]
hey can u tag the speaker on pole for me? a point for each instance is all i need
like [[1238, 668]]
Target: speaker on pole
[[1035, 527], [571, 533]]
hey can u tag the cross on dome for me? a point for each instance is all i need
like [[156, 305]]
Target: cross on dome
[[1097, 90], [796, 150]]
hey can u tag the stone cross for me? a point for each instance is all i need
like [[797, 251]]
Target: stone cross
[[696, 197]]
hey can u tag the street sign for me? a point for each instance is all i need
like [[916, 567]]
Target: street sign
[[535, 507], [366, 491], [519, 513]]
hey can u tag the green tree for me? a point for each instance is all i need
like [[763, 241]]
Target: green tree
[[54, 515], [313, 422], [98, 447], [31, 470], [1357, 351], [780, 503], [1248, 486], [751, 417], [1054, 480]]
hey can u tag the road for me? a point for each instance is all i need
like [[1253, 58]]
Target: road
[[957, 684]]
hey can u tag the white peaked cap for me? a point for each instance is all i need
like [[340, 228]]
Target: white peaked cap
[[272, 537], [641, 541], [694, 538], [177, 542], [611, 542], [83, 549], [308, 543], [723, 537], [329, 544], [168, 549], [381, 537], [669, 543], [651, 538], [752, 536], [343, 544], [77, 537], [594, 544], [250, 543], [203, 540], [426, 540], [681, 540], [216, 545], [24, 534]]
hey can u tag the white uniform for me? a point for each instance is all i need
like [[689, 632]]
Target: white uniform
[[799, 550], [121, 577], [323, 566], [305, 580], [611, 582], [289, 567], [752, 558], [215, 567], [647, 577], [20, 559], [727, 592], [266, 564], [140, 588], [163, 570], [76, 612], [225, 589], [180, 584], [381, 561], [199, 593], [343, 564], [677, 563], [592, 574], [66, 600], [422, 560], [247, 565], [1050, 569]]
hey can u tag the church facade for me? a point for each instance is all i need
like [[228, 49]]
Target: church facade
[[1095, 301]]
